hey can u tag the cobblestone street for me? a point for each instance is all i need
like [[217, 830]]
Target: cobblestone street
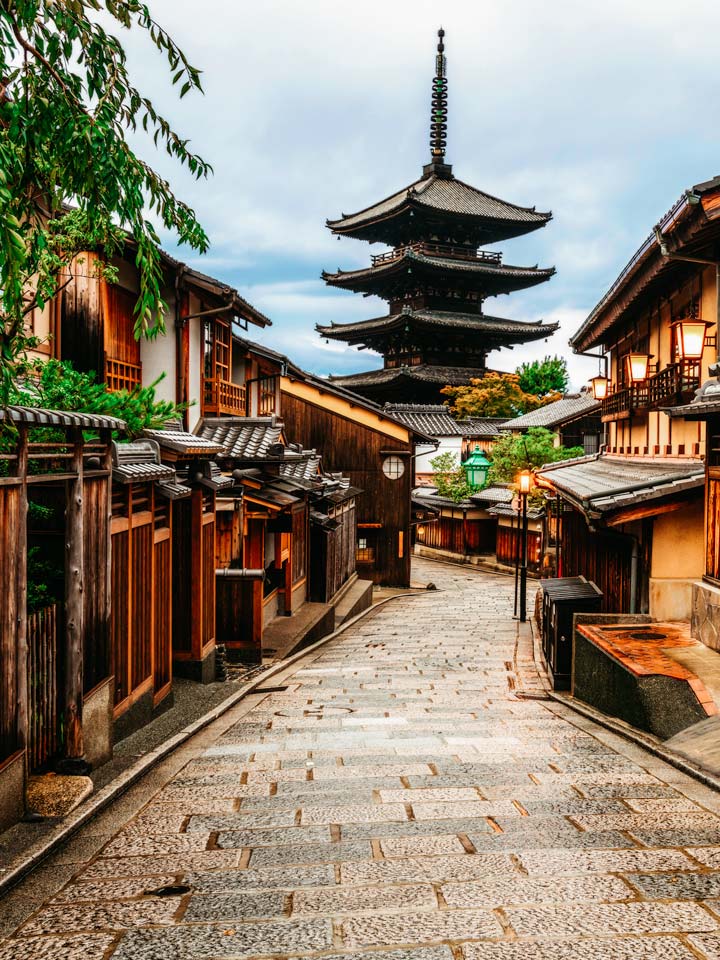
[[392, 794]]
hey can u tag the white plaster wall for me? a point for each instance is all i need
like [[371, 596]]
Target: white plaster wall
[[194, 385], [447, 445]]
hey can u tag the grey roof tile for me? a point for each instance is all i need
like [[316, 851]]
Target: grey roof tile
[[448, 195], [40, 417], [423, 371], [601, 483], [555, 414], [243, 438]]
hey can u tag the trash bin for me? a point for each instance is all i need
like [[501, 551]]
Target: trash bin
[[563, 597]]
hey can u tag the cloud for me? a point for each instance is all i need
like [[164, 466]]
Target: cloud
[[589, 109]]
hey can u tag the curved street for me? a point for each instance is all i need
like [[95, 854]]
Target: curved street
[[393, 795]]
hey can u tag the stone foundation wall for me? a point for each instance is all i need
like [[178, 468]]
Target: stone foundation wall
[[705, 619]]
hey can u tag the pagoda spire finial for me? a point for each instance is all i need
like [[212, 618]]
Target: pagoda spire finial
[[438, 116]]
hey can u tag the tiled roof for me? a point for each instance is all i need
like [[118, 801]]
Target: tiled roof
[[306, 466], [506, 510], [423, 371], [139, 462], [448, 265], [448, 195], [512, 331], [40, 417], [244, 438], [177, 440], [600, 484], [435, 420], [494, 495], [555, 414]]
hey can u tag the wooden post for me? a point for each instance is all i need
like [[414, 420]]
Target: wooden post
[[21, 650], [72, 708], [106, 613], [196, 574]]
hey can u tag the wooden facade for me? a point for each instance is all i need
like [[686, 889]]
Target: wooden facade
[[358, 443], [51, 658], [333, 549], [459, 532]]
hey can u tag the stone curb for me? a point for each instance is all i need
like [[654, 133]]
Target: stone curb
[[645, 740], [40, 851]]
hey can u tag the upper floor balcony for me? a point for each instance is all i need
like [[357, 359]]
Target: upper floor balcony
[[221, 397], [444, 250], [674, 384]]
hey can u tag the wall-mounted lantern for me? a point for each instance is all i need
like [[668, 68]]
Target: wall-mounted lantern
[[525, 479], [637, 366], [690, 337], [599, 387]]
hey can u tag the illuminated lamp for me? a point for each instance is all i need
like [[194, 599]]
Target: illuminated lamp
[[599, 387], [637, 366], [690, 337], [525, 481]]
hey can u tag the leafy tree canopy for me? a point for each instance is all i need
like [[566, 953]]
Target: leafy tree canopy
[[544, 377], [450, 478], [511, 454], [56, 385], [495, 395], [67, 107]]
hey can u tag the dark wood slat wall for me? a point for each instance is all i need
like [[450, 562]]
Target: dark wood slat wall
[[182, 582], [355, 450], [509, 544], [96, 623], [43, 732], [603, 558]]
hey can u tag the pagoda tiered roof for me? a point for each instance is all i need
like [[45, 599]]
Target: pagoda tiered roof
[[440, 203], [494, 330], [402, 271]]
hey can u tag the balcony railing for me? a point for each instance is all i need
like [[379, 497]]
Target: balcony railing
[[222, 396], [439, 250], [673, 384]]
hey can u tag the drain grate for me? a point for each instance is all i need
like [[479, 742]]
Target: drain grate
[[173, 890], [270, 689]]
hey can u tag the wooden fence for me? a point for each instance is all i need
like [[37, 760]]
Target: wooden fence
[[43, 732]]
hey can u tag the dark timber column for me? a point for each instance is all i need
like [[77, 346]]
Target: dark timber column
[[73, 688], [21, 677]]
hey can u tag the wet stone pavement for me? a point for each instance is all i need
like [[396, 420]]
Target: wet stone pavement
[[395, 799]]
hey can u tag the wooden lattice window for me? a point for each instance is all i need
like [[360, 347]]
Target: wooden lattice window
[[365, 551]]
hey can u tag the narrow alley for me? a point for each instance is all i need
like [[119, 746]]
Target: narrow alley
[[392, 793]]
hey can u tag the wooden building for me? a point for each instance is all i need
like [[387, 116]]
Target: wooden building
[[575, 419], [55, 689], [637, 526], [434, 277]]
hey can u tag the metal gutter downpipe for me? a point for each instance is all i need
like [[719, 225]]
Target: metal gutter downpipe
[[633, 574]]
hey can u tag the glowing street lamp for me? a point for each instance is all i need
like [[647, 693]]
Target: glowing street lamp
[[690, 337], [637, 366], [599, 387], [525, 482]]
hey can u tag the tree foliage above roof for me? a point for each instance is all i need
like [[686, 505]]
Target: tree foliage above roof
[[495, 395], [511, 454], [67, 107], [544, 377], [449, 477]]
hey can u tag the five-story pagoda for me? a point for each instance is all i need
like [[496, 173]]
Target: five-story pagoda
[[434, 278]]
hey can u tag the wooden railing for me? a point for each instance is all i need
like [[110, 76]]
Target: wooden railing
[[120, 375], [222, 396], [673, 383], [439, 250], [42, 630]]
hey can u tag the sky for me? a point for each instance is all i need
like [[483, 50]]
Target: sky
[[603, 111]]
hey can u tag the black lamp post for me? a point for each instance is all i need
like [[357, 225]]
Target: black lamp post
[[525, 484]]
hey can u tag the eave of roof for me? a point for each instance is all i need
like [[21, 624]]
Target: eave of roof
[[593, 328], [555, 414], [424, 372], [41, 417], [471, 322], [594, 484], [449, 265], [446, 195]]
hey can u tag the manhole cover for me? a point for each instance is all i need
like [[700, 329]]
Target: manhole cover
[[648, 635], [173, 890]]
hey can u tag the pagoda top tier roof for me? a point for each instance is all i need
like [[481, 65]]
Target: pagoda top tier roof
[[443, 322], [404, 268], [437, 202]]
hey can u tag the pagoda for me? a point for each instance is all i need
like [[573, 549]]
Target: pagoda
[[435, 279]]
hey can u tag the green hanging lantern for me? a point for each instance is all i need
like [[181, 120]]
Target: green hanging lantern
[[476, 469]]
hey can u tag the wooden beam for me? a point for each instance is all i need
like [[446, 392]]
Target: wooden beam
[[648, 510]]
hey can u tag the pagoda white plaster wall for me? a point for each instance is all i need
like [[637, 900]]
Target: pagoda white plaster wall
[[447, 445]]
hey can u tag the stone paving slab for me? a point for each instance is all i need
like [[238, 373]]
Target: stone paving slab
[[397, 801]]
